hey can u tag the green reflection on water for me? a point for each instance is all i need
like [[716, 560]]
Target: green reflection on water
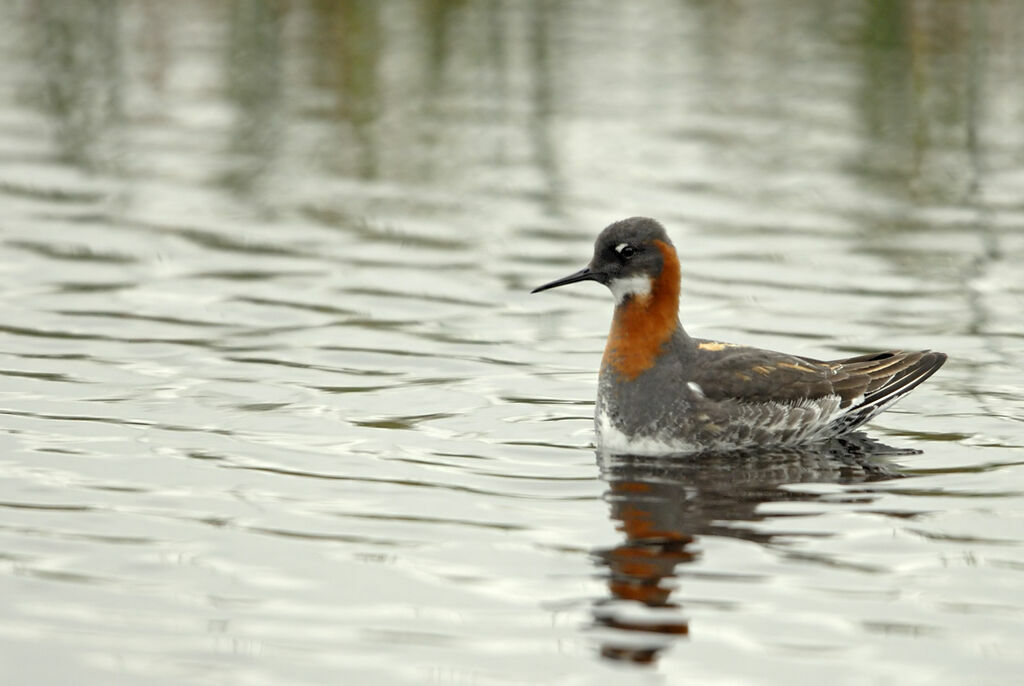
[[385, 77]]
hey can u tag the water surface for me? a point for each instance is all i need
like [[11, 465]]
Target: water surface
[[278, 408]]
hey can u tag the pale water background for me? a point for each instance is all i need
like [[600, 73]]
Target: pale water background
[[276, 407]]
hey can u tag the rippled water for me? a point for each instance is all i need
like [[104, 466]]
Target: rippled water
[[277, 407]]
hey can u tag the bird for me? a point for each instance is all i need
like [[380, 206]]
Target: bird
[[662, 392]]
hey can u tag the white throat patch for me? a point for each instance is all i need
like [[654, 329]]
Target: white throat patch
[[637, 286]]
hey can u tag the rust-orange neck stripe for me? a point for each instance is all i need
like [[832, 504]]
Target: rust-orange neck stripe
[[642, 325]]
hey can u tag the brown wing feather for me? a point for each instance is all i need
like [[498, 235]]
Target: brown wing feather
[[889, 383], [757, 375], [762, 375]]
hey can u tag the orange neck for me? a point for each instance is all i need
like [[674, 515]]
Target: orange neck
[[643, 324]]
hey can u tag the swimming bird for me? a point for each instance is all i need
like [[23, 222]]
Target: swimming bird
[[662, 392]]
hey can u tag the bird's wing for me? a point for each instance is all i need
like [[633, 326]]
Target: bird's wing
[[892, 375], [753, 375]]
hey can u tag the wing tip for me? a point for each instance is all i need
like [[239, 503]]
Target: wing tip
[[898, 385]]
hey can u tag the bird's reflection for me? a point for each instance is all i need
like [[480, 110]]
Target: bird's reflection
[[662, 505]]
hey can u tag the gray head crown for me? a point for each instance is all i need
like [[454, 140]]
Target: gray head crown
[[627, 258], [627, 249]]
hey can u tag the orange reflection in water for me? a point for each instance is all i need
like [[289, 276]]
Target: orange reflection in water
[[663, 505]]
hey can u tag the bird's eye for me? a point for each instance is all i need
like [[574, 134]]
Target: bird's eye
[[627, 251]]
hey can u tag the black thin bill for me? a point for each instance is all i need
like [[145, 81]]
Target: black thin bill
[[582, 275]]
